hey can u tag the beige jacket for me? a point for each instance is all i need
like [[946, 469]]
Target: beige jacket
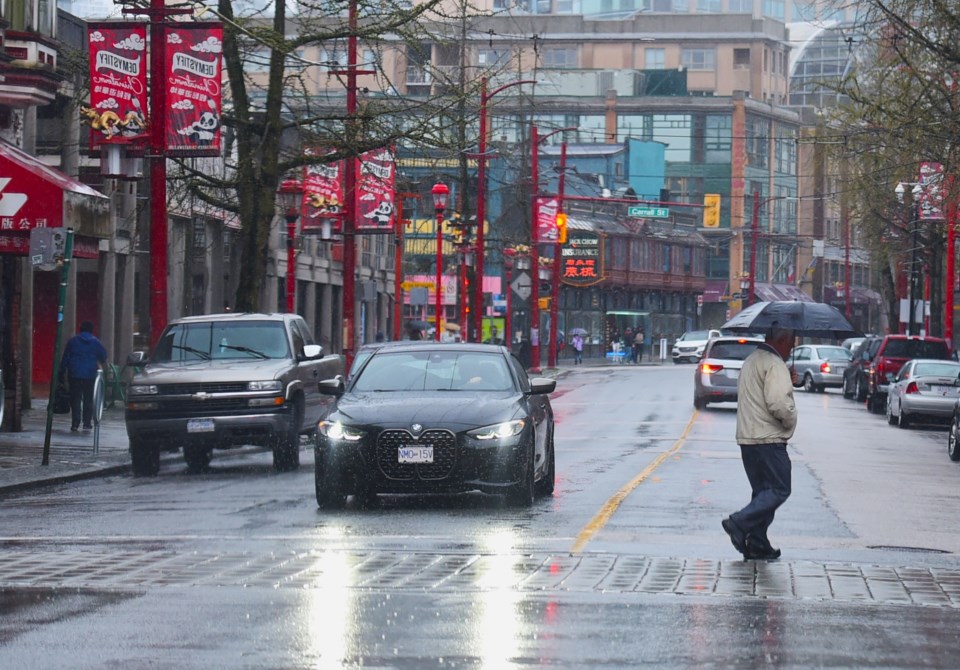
[[765, 408]]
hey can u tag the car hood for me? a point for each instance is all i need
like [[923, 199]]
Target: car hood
[[195, 372], [453, 409]]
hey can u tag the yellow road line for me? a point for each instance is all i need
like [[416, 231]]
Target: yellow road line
[[601, 518]]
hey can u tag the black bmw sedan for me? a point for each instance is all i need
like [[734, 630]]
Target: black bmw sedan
[[437, 418]]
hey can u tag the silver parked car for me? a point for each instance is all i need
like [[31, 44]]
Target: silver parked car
[[820, 365], [719, 370], [924, 387]]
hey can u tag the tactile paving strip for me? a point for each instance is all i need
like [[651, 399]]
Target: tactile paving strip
[[440, 572]]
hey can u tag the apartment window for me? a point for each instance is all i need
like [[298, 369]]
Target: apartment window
[[699, 59], [740, 6], [654, 59], [758, 142], [717, 140], [675, 131], [774, 9], [741, 59], [568, 7], [681, 6], [560, 58], [257, 60], [491, 57], [333, 55], [199, 236], [712, 6]]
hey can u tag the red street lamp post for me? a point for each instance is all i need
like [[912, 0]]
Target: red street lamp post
[[440, 193], [291, 198], [555, 276], [481, 197], [951, 260]]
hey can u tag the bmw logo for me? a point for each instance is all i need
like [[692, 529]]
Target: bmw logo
[[416, 428]]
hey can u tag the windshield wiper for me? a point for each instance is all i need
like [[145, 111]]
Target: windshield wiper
[[190, 350], [246, 350]]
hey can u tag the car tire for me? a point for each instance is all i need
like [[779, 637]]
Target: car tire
[[808, 384], [953, 448], [847, 391], [286, 446], [699, 403], [873, 404], [545, 486], [144, 458], [861, 392], [891, 419], [903, 421], [197, 457], [522, 493], [328, 484]]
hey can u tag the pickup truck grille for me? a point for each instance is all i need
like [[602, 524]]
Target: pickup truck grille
[[444, 455], [191, 407], [202, 387]]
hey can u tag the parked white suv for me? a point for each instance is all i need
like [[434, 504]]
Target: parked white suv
[[689, 348]]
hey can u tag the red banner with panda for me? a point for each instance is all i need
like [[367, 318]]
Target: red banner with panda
[[193, 80], [118, 84], [377, 171]]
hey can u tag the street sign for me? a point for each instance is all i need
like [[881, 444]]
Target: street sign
[[521, 285], [407, 285], [700, 300], [639, 211]]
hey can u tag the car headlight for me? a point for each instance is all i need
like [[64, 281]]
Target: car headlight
[[337, 431], [498, 431], [273, 385], [143, 389]]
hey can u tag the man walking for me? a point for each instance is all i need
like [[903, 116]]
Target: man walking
[[81, 357], [766, 419]]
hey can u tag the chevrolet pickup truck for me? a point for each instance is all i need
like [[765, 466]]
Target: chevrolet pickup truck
[[225, 380]]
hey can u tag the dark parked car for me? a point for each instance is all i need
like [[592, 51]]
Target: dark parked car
[[819, 365], [424, 417], [893, 352], [719, 370], [855, 376], [923, 390]]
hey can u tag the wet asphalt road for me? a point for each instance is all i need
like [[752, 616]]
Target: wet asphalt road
[[625, 564]]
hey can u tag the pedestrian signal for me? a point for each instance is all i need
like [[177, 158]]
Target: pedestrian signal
[[561, 228], [711, 210]]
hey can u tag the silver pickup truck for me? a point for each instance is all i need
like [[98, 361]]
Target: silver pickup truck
[[225, 380]]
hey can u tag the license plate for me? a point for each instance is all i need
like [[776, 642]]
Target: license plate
[[415, 455], [733, 374], [199, 425]]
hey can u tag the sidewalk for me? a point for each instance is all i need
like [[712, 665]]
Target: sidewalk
[[72, 455]]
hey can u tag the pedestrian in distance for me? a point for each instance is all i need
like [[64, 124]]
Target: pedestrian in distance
[[637, 356], [82, 357], [494, 336], [577, 343], [766, 419]]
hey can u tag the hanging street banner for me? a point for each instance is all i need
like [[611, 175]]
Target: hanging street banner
[[322, 194], [118, 84], [376, 174], [193, 79], [547, 219], [581, 259], [931, 191]]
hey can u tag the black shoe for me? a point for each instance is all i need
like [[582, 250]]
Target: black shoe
[[737, 537], [74, 429], [760, 550], [87, 426]]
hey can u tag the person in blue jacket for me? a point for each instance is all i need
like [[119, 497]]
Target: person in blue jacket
[[82, 356]]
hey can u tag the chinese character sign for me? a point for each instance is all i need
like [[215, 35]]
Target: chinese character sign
[[118, 83], [375, 190], [193, 81], [581, 262], [931, 191], [322, 195]]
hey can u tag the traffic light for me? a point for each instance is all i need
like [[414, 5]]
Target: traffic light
[[711, 210], [561, 228]]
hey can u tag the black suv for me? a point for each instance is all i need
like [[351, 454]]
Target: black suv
[[855, 380]]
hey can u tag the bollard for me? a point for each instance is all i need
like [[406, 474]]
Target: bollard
[[99, 391]]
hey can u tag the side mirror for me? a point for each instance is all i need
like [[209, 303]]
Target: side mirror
[[137, 359], [331, 386], [312, 351], [541, 385]]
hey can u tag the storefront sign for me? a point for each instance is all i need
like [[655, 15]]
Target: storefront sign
[[118, 83], [581, 261], [193, 79]]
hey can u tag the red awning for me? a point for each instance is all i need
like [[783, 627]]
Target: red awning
[[35, 195]]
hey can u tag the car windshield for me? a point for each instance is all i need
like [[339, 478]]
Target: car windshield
[[732, 351], [915, 349], [834, 353], [696, 335], [434, 371], [936, 369], [215, 340]]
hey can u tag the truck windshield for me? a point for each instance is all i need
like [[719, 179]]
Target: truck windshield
[[216, 340]]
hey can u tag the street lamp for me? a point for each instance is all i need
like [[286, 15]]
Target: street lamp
[[914, 232], [481, 195], [291, 199], [440, 193]]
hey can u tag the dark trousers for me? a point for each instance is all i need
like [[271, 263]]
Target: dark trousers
[[81, 401], [768, 469]]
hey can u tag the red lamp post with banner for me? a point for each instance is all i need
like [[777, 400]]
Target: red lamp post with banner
[[440, 192], [291, 199]]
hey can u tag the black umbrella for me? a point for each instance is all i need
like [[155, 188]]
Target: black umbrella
[[811, 319], [418, 325]]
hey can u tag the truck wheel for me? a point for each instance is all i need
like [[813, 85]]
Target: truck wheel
[[144, 458], [328, 483], [197, 458], [286, 448]]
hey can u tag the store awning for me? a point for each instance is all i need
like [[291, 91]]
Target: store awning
[[35, 195], [858, 296], [715, 290], [777, 292]]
